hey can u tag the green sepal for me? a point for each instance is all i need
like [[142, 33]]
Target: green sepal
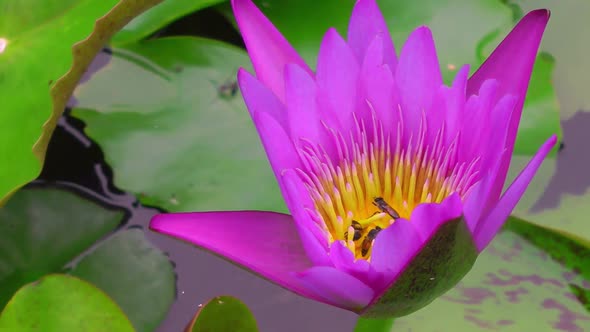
[[443, 261]]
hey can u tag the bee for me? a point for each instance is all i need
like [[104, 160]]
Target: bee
[[384, 207], [368, 241], [358, 229], [228, 89]]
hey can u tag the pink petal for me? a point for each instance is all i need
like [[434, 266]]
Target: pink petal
[[377, 88], [344, 260], [314, 240], [337, 288], [428, 217], [265, 243], [268, 49], [367, 22], [488, 227], [455, 104], [493, 153], [418, 77], [395, 247], [279, 148], [336, 77], [476, 120], [511, 65], [300, 97], [259, 98]]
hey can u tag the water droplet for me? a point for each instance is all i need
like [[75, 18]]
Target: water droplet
[[3, 43]]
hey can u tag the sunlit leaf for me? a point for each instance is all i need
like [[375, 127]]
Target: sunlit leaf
[[62, 303], [45, 47]]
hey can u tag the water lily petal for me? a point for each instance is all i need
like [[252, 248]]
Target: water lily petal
[[477, 119], [428, 217], [455, 104], [418, 77], [259, 98], [337, 288], [265, 243], [511, 65], [336, 77], [395, 247], [268, 49], [313, 239], [343, 259], [279, 147], [300, 97], [365, 23], [377, 92], [488, 227]]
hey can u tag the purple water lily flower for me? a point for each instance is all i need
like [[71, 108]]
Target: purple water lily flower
[[393, 180]]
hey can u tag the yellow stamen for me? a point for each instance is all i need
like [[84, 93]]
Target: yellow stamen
[[371, 183]]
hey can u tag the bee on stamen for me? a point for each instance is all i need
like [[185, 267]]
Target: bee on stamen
[[357, 230], [368, 241], [384, 207]]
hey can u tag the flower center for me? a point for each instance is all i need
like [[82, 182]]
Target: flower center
[[372, 182]]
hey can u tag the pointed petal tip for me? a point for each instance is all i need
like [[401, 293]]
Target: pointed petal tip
[[157, 223], [540, 13]]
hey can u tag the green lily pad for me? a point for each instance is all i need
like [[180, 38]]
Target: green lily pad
[[45, 47], [515, 285], [223, 314], [43, 231], [173, 132], [134, 261], [569, 216], [62, 303], [157, 18]]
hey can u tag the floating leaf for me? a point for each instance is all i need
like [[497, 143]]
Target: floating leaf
[[223, 314], [43, 230], [179, 135], [157, 18], [135, 274], [512, 281], [570, 215], [45, 47], [62, 303]]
